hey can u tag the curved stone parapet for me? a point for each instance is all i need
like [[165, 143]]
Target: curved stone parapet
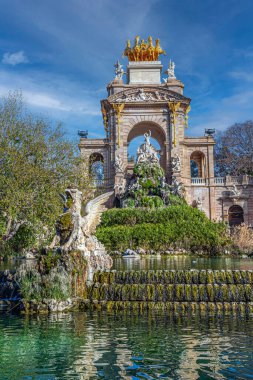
[[94, 209]]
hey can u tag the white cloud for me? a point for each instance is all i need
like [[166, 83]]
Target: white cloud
[[14, 58], [223, 113], [245, 75]]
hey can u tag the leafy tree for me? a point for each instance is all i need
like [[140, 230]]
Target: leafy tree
[[37, 163], [234, 150]]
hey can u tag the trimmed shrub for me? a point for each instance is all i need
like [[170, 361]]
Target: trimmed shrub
[[162, 229]]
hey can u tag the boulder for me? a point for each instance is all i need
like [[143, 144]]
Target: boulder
[[130, 252], [141, 251]]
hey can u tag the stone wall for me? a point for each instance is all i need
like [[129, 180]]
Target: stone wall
[[217, 196]]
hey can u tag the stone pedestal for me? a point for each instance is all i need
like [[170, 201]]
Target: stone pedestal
[[144, 72]]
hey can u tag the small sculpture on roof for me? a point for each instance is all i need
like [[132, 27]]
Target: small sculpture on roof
[[118, 70]]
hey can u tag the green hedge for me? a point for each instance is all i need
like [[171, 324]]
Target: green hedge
[[175, 213], [173, 227]]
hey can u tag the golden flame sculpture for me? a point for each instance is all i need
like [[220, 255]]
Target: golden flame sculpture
[[143, 51]]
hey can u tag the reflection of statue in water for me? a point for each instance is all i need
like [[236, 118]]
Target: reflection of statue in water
[[147, 152]]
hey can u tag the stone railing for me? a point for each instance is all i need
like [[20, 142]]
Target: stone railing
[[198, 181], [219, 180], [223, 181]]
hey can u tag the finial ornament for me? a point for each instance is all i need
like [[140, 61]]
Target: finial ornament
[[144, 51], [118, 70], [170, 71]]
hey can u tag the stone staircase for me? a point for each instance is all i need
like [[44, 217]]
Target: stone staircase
[[94, 209]]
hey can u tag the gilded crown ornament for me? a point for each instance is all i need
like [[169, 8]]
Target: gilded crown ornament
[[143, 51]]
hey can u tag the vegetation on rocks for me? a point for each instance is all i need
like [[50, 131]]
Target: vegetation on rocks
[[182, 290], [57, 276], [190, 277], [147, 188]]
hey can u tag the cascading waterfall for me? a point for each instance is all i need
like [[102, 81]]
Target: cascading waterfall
[[208, 290]]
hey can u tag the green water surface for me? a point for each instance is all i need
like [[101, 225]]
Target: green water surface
[[125, 346], [179, 262]]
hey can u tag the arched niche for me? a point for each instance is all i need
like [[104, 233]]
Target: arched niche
[[235, 215], [96, 167], [157, 133], [198, 164]]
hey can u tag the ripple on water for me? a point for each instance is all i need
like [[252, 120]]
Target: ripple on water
[[125, 346]]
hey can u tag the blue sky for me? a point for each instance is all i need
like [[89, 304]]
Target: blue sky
[[61, 53]]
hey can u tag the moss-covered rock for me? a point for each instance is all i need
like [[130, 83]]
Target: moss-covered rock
[[64, 227]]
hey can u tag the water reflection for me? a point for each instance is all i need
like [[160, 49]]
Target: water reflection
[[181, 262], [157, 262], [126, 346]]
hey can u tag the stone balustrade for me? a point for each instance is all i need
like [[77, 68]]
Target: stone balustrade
[[223, 181], [198, 181]]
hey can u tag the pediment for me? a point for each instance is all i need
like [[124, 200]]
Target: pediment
[[147, 95]]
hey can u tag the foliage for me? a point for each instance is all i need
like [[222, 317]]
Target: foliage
[[36, 287], [151, 202], [242, 238], [24, 238], [64, 226], [37, 164], [161, 229], [56, 276], [145, 189], [146, 171], [174, 213], [234, 150]]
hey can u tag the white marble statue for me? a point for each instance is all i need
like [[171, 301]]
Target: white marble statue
[[147, 138], [176, 164], [118, 165], [170, 71], [143, 96], [120, 187], [118, 70], [235, 192], [147, 152], [177, 187], [139, 96], [199, 203], [162, 182]]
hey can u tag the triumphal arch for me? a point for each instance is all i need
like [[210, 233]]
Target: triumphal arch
[[152, 101]]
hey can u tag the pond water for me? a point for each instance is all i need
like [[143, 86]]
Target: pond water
[[125, 346], [157, 262], [181, 262]]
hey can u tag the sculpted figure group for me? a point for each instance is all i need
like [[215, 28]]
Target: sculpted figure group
[[146, 152], [143, 51]]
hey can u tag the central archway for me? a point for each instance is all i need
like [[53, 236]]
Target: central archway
[[157, 133]]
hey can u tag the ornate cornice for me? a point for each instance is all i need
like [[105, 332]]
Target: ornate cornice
[[147, 95]]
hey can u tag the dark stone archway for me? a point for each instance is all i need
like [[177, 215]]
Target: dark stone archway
[[235, 215]]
